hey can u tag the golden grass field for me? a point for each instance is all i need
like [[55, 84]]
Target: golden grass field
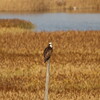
[[47, 5], [75, 65]]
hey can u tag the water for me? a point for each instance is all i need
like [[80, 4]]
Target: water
[[59, 21]]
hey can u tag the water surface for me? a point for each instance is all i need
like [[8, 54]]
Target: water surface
[[59, 21]]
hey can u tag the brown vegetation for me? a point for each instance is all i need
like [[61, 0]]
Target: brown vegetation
[[45, 5], [8, 23], [75, 65]]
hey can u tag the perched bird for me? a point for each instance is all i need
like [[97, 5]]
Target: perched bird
[[48, 52]]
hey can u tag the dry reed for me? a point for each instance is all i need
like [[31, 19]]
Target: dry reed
[[45, 5], [9, 23], [75, 65]]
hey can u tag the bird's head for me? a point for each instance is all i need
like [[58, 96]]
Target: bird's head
[[50, 44]]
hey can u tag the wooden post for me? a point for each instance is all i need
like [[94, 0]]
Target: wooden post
[[47, 80]]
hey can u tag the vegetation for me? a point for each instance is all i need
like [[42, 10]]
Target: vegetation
[[45, 5], [15, 23], [75, 65]]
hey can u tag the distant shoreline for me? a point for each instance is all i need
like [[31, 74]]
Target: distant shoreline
[[85, 10], [46, 5], [72, 10]]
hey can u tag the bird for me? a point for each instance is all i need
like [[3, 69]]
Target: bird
[[48, 52]]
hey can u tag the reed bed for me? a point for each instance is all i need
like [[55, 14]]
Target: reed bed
[[75, 65], [47, 5], [15, 23]]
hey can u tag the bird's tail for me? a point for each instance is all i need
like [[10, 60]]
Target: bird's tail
[[44, 60]]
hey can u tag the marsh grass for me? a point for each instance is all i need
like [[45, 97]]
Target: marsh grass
[[15, 30], [46, 5], [15, 23], [75, 65]]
